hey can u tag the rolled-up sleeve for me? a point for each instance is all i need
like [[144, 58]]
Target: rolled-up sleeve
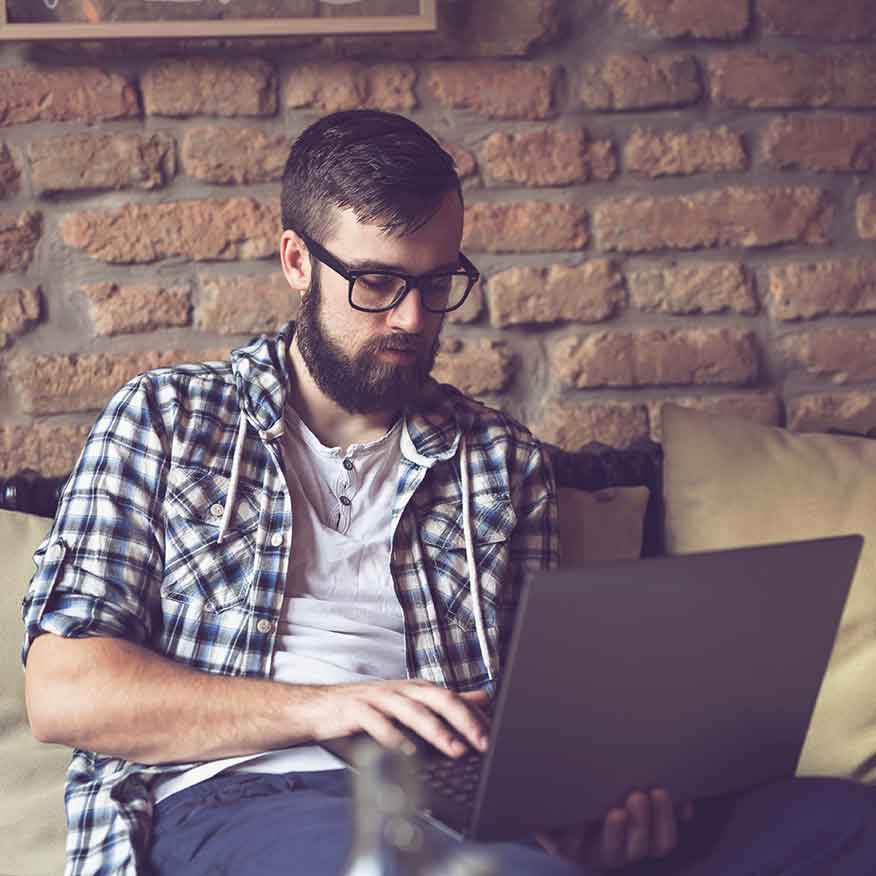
[[102, 562]]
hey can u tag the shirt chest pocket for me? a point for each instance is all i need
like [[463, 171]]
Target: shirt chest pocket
[[442, 537], [197, 568]]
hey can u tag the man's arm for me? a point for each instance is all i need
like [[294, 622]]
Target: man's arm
[[118, 698]]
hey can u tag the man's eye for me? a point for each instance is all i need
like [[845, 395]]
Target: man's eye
[[379, 282], [438, 285]]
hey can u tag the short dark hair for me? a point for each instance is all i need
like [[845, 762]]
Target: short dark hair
[[383, 166]]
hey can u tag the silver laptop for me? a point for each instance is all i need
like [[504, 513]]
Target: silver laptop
[[697, 673]]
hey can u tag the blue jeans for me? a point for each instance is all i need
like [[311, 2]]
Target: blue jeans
[[300, 823]]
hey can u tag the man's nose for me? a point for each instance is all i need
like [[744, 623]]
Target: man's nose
[[408, 315]]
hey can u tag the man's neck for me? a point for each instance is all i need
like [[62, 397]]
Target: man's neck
[[330, 423]]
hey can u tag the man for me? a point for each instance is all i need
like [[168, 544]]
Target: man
[[311, 540]]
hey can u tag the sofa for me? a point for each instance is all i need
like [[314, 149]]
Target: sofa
[[712, 482]]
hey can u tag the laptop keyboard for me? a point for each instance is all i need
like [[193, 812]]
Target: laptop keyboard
[[453, 778]]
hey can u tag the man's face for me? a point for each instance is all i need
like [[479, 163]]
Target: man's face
[[369, 362]]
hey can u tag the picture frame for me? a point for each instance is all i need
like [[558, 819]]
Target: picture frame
[[397, 16]]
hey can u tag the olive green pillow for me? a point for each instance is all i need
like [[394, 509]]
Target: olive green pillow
[[730, 482]]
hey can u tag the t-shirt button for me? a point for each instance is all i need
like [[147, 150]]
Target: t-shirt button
[[348, 464], [217, 510], [277, 539], [345, 501], [264, 626]]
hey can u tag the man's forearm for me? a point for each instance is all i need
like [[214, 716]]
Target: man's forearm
[[117, 698]]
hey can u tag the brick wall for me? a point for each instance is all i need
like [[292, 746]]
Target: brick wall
[[667, 201]]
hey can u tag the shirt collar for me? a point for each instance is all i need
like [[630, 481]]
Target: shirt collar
[[432, 425]]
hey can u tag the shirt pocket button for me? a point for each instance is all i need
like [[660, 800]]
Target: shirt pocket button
[[217, 510], [264, 626], [277, 539]]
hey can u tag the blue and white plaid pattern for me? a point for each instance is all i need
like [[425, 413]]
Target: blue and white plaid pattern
[[134, 541]]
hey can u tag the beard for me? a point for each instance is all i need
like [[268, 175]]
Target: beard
[[361, 383]]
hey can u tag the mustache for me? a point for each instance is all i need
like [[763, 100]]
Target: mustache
[[399, 343]]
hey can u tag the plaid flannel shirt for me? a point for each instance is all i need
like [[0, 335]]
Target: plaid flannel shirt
[[133, 553]]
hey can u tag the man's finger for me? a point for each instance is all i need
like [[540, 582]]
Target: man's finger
[[638, 840], [452, 708], [612, 841], [664, 830]]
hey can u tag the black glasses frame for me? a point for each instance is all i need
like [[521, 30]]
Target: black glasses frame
[[466, 269]]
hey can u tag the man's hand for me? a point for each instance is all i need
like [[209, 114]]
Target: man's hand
[[645, 827], [453, 723]]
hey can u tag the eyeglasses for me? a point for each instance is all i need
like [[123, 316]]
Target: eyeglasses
[[376, 291]]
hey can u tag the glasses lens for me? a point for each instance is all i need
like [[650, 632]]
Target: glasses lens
[[444, 291], [376, 291]]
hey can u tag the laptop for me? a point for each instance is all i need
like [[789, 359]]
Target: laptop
[[698, 673]]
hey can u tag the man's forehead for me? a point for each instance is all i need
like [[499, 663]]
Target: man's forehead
[[443, 230]]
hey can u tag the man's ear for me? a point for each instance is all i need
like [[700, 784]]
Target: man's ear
[[295, 261]]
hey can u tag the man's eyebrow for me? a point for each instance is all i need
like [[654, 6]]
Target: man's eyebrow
[[372, 265]]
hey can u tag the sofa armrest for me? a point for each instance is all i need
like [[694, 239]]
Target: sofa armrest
[[31, 493]]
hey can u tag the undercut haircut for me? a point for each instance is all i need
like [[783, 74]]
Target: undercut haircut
[[383, 166]]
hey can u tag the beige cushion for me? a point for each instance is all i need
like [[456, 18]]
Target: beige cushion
[[32, 829], [601, 525], [20, 534], [730, 482]]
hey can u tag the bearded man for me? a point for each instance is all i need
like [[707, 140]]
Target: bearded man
[[255, 556]]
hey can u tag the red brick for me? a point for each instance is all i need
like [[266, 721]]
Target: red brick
[[842, 354], [846, 411], [330, 87], [759, 407], [9, 172], [821, 143], [835, 288], [692, 288], [692, 18], [85, 382], [465, 161], [547, 157], [760, 81], [210, 87], [525, 226], [653, 357], [837, 20], [72, 94], [571, 424], [82, 162], [238, 156], [474, 367], [237, 228], [628, 82], [248, 304], [48, 448], [681, 153], [497, 90], [498, 29], [19, 311], [591, 292], [118, 310], [727, 217], [19, 236], [865, 214]]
